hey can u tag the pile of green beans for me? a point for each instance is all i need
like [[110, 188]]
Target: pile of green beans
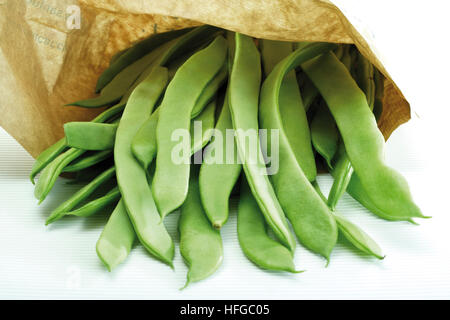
[[319, 103]]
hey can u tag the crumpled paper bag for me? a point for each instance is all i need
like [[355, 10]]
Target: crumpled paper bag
[[52, 51]]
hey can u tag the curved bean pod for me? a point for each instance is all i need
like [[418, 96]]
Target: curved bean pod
[[217, 180], [144, 147], [132, 178], [131, 55], [206, 119], [52, 171], [244, 87], [81, 195], [175, 114], [90, 136], [363, 141], [117, 238], [200, 244], [354, 234], [96, 205], [122, 84], [81, 163], [256, 244], [291, 110], [324, 134], [47, 156], [309, 215], [210, 91], [358, 237]]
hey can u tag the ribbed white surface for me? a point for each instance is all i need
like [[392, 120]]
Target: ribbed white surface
[[60, 261]]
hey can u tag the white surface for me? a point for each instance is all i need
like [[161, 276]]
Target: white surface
[[60, 261]]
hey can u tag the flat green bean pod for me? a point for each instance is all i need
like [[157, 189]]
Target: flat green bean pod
[[55, 150], [131, 55], [363, 141], [200, 244], [81, 195], [144, 147], [358, 237], [47, 156], [309, 215], [291, 110], [210, 91], [324, 134], [132, 178], [52, 171], [354, 234], [96, 205], [122, 84], [206, 119], [244, 86], [81, 163], [217, 178], [256, 244], [343, 170], [123, 81], [171, 180], [90, 136], [117, 238], [342, 173]]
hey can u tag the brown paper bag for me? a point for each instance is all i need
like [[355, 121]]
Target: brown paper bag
[[44, 63]]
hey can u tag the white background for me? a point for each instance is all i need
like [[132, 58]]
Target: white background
[[60, 261]]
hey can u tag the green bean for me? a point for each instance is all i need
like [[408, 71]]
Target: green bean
[[206, 120], [144, 147], [354, 234], [132, 178], [136, 52], [210, 91], [55, 150], [343, 169], [324, 134], [200, 244], [309, 215], [117, 238], [52, 171], [363, 141], [47, 156], [143, 144], [171, 180], [90, 136], [114, 58], [309, 94], [86, 162], [243, 93], [217, 178], [291, 110], [355, 189], [96, 205], [256, 244], [358, 237], [122, 85], [342, 173], [81, 195]]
